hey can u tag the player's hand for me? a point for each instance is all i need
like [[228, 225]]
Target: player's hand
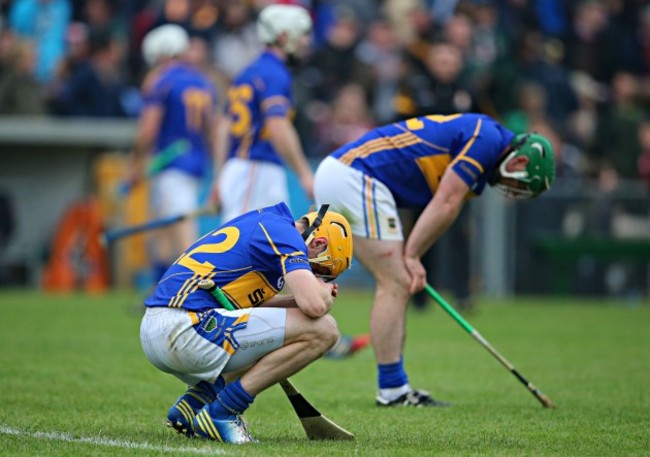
[[417, 272], [215, 196]]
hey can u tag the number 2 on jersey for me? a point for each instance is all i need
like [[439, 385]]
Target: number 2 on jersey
[[203, 268]]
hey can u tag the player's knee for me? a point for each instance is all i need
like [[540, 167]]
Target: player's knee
[[327, 333], [397, 283]]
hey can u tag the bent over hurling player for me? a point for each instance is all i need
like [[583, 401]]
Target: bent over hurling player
[[179, 119], [187, 332], [261, 137], [434, 162]]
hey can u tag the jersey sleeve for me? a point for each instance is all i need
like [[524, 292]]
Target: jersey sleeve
[[275, 98], [155, 93], [479, 151], [278, 246]]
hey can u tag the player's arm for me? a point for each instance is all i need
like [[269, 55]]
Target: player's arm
[[281, 301], [436, 218], [148, 127], [284, 138], [313, 296], [220, 150]]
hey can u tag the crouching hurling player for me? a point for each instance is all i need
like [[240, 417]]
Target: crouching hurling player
[[215, 311]]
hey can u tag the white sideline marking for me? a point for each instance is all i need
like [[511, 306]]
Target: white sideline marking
[[108, 442]]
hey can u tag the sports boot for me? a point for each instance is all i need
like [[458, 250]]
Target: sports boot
[[231, 429], [181, 415], [416, 398]]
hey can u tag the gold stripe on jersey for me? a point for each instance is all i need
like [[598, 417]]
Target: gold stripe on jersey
[[468, 145], [433, 167], [283, 257], [473, 162], [251, 289], [384, 143], [189, 287], [184, 287]]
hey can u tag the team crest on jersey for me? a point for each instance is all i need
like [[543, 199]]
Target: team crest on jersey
[[210, 324], [392, 223], [280, 283]]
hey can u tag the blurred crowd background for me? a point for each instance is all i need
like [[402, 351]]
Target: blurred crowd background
[[574, 70], [577, 71]]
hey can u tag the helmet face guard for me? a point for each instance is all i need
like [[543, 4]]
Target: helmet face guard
[[337, 256], [539, 172]]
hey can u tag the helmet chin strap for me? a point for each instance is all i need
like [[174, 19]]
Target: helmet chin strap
[[308, 235]]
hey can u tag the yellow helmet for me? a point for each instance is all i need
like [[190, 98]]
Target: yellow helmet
[[337, 256]]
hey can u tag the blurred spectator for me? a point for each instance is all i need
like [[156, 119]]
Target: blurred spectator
[[403, 14], [616, 140], [381, 52], [437, 90], [101, 18], [348, 120], [441, 10], [643, 37], [422, 33], [204, 16], [20, 93], [515, 17], [236, 43], [96, 87], [488, 43], [531, 108], [337, 62], [44, 22], [538, 61], [591, 46], [78, 45], [644, 156], [571, 163], [584, 120]]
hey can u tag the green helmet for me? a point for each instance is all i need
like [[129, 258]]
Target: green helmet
[[540, 170]]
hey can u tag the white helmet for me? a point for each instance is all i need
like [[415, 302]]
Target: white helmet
[[168, 40], [277, 19]]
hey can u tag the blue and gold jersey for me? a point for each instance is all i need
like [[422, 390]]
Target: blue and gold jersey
[[411, 156], [262, 90], [189, 101], [246, 257]]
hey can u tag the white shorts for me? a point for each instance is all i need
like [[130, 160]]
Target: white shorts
[[174, 192], [365, 201], [246, 185], [200, 346]]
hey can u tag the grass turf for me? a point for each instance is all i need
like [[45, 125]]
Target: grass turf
[[73, 381]]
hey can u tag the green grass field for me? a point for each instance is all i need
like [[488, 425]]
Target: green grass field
[[74, 382]]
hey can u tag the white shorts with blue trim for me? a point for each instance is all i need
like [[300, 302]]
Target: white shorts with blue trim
[[365, 201], [200, 346]]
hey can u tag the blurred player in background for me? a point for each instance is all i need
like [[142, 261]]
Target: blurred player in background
[[177, 125], [436, 163], [216, 312], [261, 137]]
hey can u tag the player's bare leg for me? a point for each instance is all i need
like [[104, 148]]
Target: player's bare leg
[[305, 340], [388, 321]]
